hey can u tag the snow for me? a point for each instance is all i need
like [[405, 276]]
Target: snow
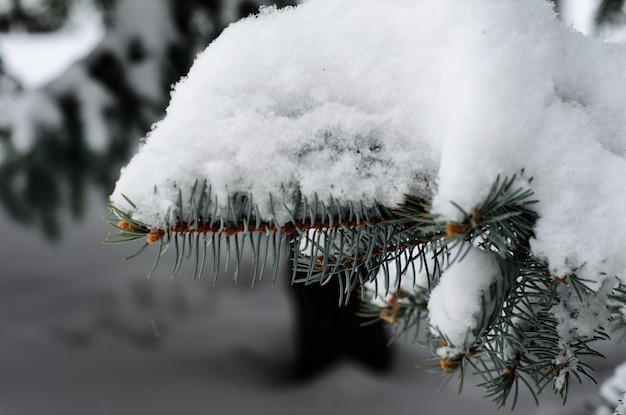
[[37, 59], [613, 390], [45, 63], [461, 301], [579, 14], [580, 319], [304, 114], [369, 100]]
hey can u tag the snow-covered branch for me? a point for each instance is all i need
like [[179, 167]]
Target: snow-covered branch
[[483, 140]]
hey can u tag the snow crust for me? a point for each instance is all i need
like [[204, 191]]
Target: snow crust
[[371, 99]]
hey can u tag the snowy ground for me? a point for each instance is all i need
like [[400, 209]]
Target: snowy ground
[[85, 333]]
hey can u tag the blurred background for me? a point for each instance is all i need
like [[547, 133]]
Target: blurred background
[[83, 332]]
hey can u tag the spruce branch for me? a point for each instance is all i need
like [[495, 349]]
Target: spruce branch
[[530, 331]]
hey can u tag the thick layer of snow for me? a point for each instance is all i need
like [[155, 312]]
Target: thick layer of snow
[[297, 88], [366, 100]]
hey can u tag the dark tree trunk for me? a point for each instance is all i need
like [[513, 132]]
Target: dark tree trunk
[[328, 333], [610, 12]]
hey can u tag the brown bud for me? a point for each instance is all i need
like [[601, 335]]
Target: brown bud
[[154, 236]]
